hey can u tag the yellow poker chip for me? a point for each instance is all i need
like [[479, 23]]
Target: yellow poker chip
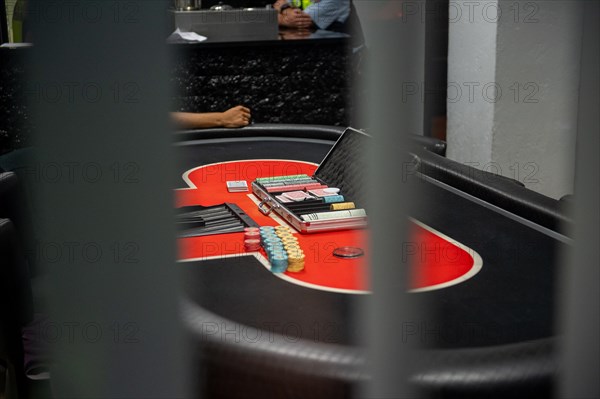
[[295, 263], [342, 206], [295, 255], [295, 269]]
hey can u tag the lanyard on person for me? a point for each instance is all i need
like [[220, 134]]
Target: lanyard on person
[[302, 4]]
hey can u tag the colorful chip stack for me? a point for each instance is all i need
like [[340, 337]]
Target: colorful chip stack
[[282, 249], [294, 253], [252, 239], [274, 249]]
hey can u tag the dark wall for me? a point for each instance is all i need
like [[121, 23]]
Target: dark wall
[[286, 82], [3, 23], [436, 68], [15, 118]]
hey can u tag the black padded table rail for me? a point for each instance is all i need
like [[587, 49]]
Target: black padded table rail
[[322, 132], [499, 190], [290, 130], [510, 300]]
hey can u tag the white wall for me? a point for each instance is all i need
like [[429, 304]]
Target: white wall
[[471, 65], [535, 122], [527, 57]]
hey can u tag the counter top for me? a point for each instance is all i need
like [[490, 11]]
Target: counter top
[[284, 35]]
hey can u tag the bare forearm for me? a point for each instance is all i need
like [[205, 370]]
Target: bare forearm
[[237, 116], [190, 120]]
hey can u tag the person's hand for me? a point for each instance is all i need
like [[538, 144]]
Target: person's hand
[[295, 18], [235, 117]]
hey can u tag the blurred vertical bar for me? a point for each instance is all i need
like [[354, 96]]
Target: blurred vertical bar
[[395, 35], [99, 90], [4, 37], [580, 306]]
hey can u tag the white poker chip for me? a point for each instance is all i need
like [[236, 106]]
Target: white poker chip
[[332, 190]]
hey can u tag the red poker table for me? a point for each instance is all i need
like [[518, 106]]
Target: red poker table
[[257, 333]]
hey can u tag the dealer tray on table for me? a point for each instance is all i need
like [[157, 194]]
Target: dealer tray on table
[[331, 199]]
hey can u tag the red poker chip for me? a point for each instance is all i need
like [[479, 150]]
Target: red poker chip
[[252, 235], [252, 245]]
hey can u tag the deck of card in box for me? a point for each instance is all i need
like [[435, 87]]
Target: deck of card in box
[[331, 199]]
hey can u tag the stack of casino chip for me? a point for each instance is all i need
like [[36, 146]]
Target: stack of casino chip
[[275, 251], [279, 261], [266, 232], [294, 253], [251, 239], [292, 248], [251, 233], [282, 249], [295, 260]]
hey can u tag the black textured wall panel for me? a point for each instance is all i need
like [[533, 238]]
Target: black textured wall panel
[[15, 119], [306, 82]]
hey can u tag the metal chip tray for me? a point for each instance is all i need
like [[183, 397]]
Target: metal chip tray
[[343, 167]]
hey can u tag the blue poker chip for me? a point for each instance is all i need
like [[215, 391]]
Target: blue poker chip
[[333, 198], [268, 237], [276, 253], [271, 252], [279, 264], [271, 241]]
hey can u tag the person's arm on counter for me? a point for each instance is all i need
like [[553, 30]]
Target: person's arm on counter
[[234, 117]]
